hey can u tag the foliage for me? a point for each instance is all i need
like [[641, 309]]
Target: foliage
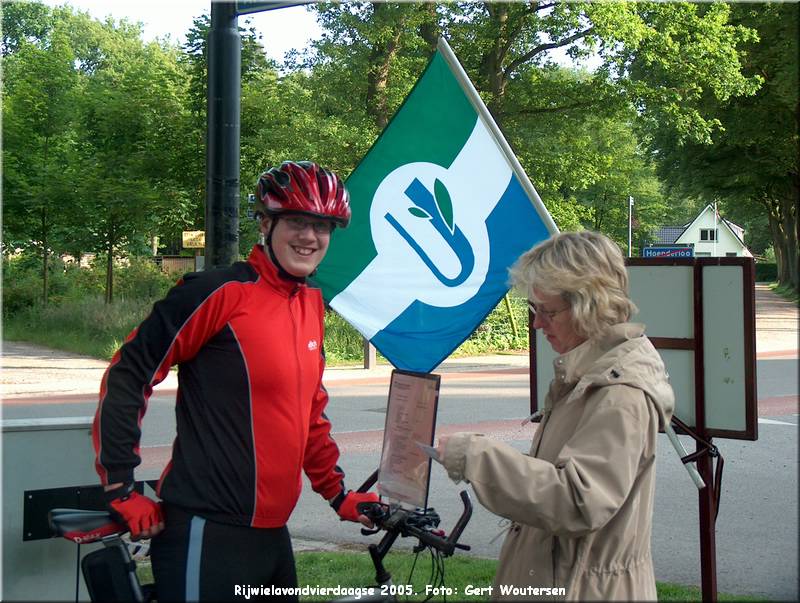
[[38, 128], [677, 88], [83, 171], [343, 344], [750, 162], [766, 272], [76, 317], [496, 332]]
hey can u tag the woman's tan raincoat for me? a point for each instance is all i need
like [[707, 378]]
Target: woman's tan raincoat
[[581, 503]]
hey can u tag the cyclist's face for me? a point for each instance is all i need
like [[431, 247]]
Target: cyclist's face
[[299, 242]]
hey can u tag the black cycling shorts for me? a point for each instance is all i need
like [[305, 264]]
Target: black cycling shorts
[[195, 559]]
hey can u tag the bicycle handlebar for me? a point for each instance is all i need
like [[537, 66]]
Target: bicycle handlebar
[[403, 522]]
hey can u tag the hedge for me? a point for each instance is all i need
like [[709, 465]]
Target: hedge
[[766, 273]]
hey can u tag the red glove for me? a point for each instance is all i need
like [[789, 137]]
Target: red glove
[[140, 513], [346, 505]]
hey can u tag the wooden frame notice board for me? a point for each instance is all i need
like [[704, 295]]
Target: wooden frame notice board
[[700, 315]]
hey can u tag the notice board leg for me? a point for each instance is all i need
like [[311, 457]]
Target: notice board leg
[[708, 540]]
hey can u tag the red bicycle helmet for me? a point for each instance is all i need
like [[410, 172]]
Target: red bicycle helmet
[[303, 187]]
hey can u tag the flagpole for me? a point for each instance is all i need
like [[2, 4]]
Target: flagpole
[[483, 112]]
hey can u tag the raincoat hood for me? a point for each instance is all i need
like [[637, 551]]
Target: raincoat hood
[[621, 356]]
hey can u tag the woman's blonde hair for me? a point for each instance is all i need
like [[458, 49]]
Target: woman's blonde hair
[[587, 270]]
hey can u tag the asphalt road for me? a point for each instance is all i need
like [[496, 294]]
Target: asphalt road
[[757, 527], [757, 549]]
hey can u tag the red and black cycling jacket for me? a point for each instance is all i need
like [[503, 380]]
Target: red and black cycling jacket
[[250, 402]]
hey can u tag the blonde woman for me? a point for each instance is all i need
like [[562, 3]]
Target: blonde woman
[[581, 502]]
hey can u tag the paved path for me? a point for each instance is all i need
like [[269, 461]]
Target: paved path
[[776, 323]]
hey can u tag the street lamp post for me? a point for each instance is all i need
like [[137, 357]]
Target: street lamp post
[[222, 144], [224, 130], [630, 226]]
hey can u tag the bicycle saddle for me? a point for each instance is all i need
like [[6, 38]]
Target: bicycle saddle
[[83, 526]]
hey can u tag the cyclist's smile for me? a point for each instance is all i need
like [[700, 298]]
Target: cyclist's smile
[[300, 243]]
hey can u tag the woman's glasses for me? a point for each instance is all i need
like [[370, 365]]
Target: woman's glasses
[[545, 314]]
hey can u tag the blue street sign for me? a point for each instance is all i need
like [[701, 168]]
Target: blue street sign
[[668, 251]]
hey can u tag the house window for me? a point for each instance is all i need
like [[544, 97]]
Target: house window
[[731, 254], [709, 234]]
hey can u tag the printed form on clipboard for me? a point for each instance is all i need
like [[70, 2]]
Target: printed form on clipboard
[[404, 474]]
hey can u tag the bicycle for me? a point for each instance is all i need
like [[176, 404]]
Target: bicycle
[[109, 573], [423, 525]]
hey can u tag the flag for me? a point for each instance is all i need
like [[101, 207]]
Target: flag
[[441, 210]]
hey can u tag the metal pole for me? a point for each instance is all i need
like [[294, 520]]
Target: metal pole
[[707, 513], [222, 145], [630, 225]]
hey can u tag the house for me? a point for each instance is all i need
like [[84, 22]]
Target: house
[[709, 234]]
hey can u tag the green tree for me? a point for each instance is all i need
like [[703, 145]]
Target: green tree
[[750, 165], [39, 138], [132, 160], [509, 51], [24, 22]]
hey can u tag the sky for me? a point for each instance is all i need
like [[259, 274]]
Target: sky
[[281, 29]]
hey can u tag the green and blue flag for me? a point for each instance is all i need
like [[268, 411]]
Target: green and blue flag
[[441, 210]]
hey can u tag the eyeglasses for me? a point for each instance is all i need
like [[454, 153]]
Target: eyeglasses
[[299, 224], [545, 314]]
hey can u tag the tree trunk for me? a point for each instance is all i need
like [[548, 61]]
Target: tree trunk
[[429, 30], [492, 60], [110, 267], [789, 229], [378, 78], [777, 245], [45, 258]]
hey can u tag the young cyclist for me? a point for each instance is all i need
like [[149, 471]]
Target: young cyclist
[[250, 404]]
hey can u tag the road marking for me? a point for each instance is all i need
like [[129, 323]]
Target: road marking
[[774, 422]]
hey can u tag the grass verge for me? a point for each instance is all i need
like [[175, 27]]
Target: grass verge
[[786, 292], [351, 570], [91, 327]]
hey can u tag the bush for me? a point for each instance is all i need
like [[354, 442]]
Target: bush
[[141, 279], [21, 288], [766, 272], [22, 282], [342, 342], [496, 332]]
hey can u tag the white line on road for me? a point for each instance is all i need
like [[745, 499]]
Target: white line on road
[[774, 422]]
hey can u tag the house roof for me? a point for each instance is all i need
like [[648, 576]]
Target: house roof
[[667, 235], [728, 224]]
